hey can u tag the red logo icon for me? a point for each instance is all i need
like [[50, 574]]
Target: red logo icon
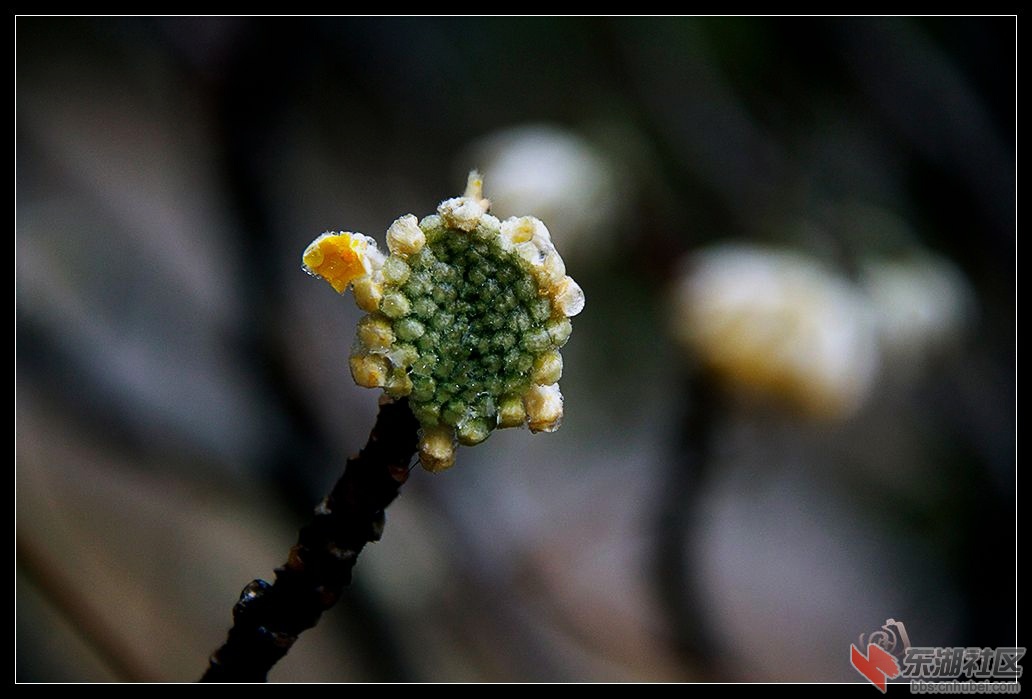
[[877, 666]]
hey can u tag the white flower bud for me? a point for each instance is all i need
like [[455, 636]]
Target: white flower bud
[[404, 237], [544, 405], [568, 297]]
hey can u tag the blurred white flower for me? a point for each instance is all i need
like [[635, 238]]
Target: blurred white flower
[[565, 180], [922, 304], [779, 323]]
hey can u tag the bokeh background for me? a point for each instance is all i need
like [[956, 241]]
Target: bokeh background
[[746, 203]]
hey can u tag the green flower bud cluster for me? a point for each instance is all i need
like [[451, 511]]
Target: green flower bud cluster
[[466, 318]]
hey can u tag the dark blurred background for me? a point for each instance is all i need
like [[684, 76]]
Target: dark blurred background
[[182, 390]]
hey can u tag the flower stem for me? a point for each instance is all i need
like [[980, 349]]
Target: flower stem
[[269, 617], [678, 529]]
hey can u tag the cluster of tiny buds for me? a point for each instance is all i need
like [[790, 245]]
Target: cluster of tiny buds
[[466, 316]]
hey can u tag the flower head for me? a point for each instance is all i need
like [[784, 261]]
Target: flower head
[[779, 323], [466, 316]]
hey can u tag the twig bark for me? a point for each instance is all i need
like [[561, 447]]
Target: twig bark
[[268, 617]]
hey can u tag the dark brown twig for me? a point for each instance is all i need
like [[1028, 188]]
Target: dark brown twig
[[268, 618]]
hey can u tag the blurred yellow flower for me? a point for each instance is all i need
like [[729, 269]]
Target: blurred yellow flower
[[779, 323]]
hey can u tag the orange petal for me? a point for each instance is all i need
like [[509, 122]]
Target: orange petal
[[339, 259]]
